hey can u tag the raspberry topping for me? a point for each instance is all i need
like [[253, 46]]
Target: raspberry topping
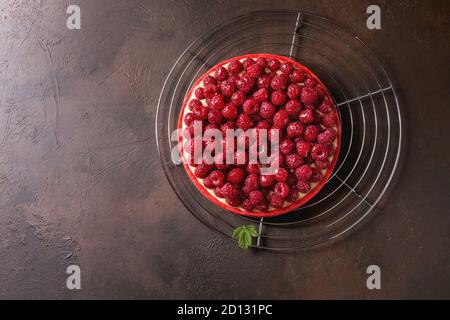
[[279, 96], [281, 119], [281, 189], [236, 175], [267, 110], [304, 173], [256, 197]]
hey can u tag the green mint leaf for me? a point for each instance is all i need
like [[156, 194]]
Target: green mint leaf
[[237, 232], [252, 231], [245, 235]]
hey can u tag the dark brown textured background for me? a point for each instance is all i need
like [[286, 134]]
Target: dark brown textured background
[[80, 179]]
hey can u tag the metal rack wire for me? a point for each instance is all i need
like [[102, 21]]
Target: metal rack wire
[[372, 135]]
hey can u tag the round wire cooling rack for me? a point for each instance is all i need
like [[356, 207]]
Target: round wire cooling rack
[[368, 106]]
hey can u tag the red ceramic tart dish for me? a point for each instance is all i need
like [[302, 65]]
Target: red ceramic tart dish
[[263, 91]]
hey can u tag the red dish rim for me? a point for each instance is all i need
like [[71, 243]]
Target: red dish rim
[[275, 212]]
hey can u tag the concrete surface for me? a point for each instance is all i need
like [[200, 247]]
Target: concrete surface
[[81, 183]]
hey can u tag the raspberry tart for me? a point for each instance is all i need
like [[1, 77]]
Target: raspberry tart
[[259, 92]]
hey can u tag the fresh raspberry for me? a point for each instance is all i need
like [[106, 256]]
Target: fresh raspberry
[[250, 106], [200, 93], [327, 136], [230, 191], [286, 146], [227, 88], [247, 205], [328, 120], [316, 176], [306, 116], [194, 104], [254, 70], [273, 64], [304, 173], [267, 110], [201, 113], [244, 121], [230, 111], [276, 201], [209, 80], [293, 91], [234, 67], [256, 197], [217, 178], [309, 95], [267, 180], [293, 161], [297, 76], [319, 152], [311, 133], [322, 164], [218, 193], [261, 61], [310, 82], [262, 207], [326, 106], [210, 91], [208, 183], [245, 83], [202, 170], [214, 116], [293, 108], [264, 82], [261, 95], [227, 126], [248, 62], [293, 194], [252, 182], [303, 186], [216, 102], [294, 129], [303, 148], [238, 98], [233, 202], [253, 168], [280, 119], [286, 67], [281, 189], [221, 74], [189, 118], [279, 82], [281, 175], [278, 97], [236, 175]]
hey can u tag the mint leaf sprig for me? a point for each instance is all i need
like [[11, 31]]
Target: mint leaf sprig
[[244, 235]]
